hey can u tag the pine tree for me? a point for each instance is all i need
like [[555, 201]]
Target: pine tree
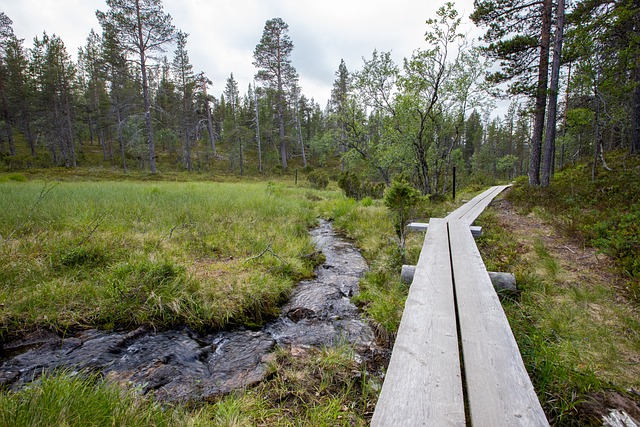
[[186, 83], [338, 102], [519, 36], [7, 77], [550, 139], [51, 67], [19, 91], [143, 28], [603, 37], [92, 67], [272, 58], [120, 85]]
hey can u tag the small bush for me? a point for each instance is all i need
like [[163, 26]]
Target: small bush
[[350, 184], [619, 237], [373, 189], [354, 187], [401, 198], [318, 179]]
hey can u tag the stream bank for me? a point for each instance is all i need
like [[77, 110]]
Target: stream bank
[[182, 365]]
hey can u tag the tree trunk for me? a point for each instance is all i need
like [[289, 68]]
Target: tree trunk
[[635, 111], [12, 145], [550, 138], [30, 138], [145, 93], [212, 138], [283, 144], [304, 156], [255, 95], [541, 95], [121, 139], [69, 124]]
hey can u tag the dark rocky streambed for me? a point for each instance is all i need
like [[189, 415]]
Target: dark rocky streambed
[[184, 365]]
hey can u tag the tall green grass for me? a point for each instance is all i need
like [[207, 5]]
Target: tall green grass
[[121, 254]]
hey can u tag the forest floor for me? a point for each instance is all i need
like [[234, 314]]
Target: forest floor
[[584, 284]]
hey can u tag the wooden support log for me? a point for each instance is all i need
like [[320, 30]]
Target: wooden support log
[[502, 282], [423, 226], [407, 273]]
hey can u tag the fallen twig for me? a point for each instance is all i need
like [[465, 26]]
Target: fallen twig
[[267, 249], [93, 230]]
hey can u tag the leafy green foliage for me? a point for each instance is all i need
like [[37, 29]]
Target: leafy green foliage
[[619, 237], [354, 187], [350, 184]]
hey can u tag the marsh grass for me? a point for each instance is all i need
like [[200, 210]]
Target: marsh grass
[[121, 254]]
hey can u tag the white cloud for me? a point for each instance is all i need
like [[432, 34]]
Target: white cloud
[[224, 33]]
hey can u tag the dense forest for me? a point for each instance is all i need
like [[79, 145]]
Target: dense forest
[[571, 71]]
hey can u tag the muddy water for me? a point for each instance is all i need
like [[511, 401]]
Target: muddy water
[[183, 365]]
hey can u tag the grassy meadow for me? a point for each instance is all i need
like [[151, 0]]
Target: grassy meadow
[[118, 254], [122, 254]]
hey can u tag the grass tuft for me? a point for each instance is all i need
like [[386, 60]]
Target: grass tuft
[[64, 399]]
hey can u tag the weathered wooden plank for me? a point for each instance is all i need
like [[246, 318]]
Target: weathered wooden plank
[[424, 226], [472, 209], [423, 384], [499, 389]]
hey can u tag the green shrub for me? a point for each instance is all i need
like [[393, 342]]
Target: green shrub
[[400, 198], [366, 202], [350, 184], [318, 179], [619, 237], [356, 188]]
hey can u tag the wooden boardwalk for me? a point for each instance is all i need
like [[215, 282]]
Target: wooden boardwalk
[[455, 361]]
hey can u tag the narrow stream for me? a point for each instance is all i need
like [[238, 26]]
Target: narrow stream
[[183, 365]]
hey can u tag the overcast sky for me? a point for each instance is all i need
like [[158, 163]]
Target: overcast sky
[[224, 33]]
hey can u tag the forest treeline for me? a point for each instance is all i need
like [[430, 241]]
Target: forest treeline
[[571, 70]]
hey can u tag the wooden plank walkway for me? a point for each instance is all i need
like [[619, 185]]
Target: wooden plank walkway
[[471, 210], [423, 385], [498, 386], [452, 320]]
